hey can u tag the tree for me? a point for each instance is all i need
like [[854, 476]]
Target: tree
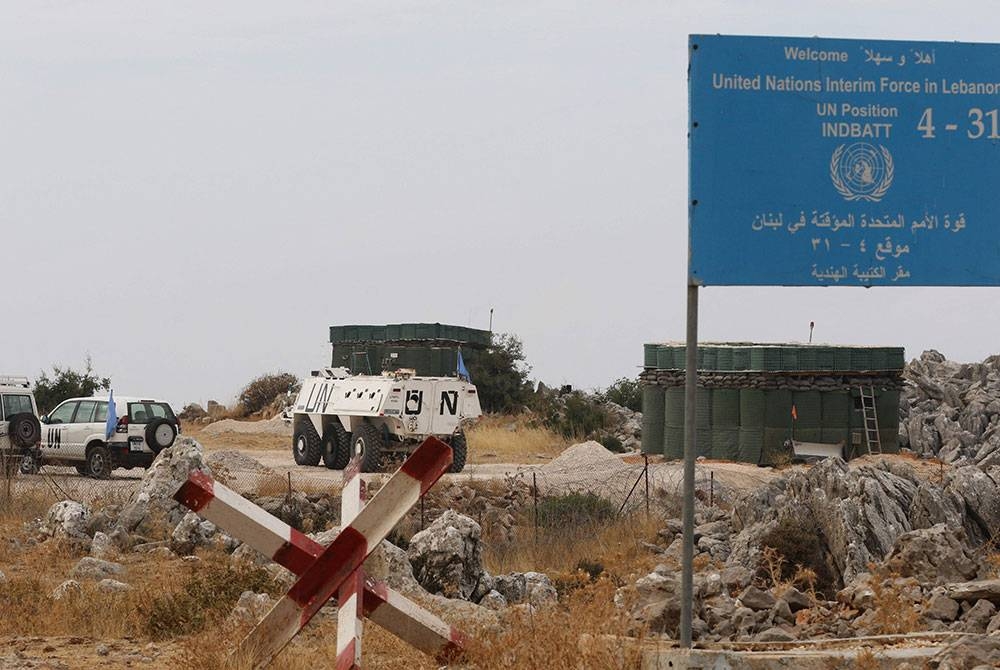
[[500, 374], [67, 383], [625, 392], [263, 390]]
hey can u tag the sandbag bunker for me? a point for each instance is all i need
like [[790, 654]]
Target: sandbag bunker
[[767, 403]]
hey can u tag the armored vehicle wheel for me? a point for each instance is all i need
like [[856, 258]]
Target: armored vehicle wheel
[[307, 447], [99, 463], [336, 447], [458, 452], [368, 444], [25, 431]]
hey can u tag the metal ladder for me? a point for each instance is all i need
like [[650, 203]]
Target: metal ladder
[[872, 440]]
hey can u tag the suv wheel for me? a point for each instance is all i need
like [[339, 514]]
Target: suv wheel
[[307, 447], [368, 444], [459, 449], [99, 463], [336, 447], [160, 434], [25, 431]]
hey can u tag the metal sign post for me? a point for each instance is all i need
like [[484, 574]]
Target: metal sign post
[[834, 162], [690, 452]]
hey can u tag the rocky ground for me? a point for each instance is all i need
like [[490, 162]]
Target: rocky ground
[[885, 552]]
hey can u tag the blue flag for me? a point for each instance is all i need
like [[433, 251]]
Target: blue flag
[[109, 427], [463, 372]]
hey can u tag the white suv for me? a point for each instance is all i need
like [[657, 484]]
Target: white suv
[[74, 434], [19, 428]]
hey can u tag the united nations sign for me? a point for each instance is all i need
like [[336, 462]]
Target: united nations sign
[[819, 162]]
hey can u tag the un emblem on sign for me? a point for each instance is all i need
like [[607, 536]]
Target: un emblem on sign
[[861, 172]]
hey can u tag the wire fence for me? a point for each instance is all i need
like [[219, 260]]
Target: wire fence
[[498, 500]]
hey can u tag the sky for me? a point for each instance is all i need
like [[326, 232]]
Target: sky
[[191, 193]]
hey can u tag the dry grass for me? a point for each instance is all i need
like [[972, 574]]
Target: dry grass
[[586, 630], [239, 441], [588, 561], [616, 545], [508, 439]]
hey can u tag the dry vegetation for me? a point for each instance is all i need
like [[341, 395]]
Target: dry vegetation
[[506, 439], [177, 612]]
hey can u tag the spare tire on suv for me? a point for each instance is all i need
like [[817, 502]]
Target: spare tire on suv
[[160, 434], [25, 431]]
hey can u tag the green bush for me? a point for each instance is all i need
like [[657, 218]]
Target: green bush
[[625, 392], [67, 383], [612, 443], [500, 374], [574, 509]]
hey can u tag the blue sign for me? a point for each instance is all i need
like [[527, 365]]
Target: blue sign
[[827, 162]]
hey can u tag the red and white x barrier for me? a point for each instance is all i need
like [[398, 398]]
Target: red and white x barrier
[[350, 614], [293, 550]]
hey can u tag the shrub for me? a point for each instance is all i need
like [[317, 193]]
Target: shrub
[[67, 383], [574, 509], [625, 392], [612, 443], [799, 542], [572, 415], [592, 568], [500, 374], [263, 390]]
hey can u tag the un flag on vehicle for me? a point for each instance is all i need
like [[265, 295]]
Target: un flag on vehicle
[[109, 427], [463, 372]]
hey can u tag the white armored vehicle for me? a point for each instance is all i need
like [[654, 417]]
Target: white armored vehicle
[[337, 415]]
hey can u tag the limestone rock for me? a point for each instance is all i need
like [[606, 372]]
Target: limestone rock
[[190, 533], [493, 600], [112, 586], [933, 555], [978, 618], [447, 558], [251, 607], [100, 546], [89, 567], [389, 563], [984, 589], [151, 509], [659, 603], [942, 607], [796, 599], [66, 520], [775, 634], [67, 589], [756, 599]]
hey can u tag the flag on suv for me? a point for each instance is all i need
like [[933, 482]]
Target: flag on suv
[[109, 427]]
